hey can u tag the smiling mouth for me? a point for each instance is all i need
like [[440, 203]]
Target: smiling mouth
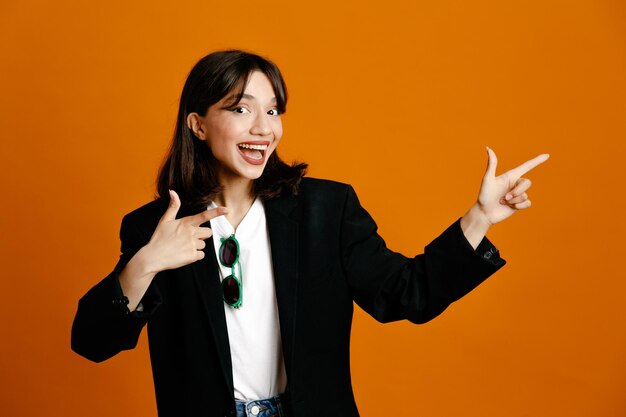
[[253, 151]]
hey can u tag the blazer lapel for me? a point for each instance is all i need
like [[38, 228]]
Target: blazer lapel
[[207, 280], [283, 233]]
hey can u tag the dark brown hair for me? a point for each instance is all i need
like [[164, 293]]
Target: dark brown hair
[[189, 167]]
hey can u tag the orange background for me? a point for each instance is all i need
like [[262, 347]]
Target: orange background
[[398, 98]]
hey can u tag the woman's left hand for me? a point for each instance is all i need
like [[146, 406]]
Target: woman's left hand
[[501, 196]]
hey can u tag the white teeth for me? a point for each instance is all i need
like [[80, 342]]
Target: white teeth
[[257, 147]]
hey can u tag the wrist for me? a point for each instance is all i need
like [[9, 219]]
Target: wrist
[[145, 262], [139, 270], [475, 225]]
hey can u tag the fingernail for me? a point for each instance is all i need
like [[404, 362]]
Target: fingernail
[[508, 197]]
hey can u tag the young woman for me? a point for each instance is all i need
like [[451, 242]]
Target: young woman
[[245, 271]]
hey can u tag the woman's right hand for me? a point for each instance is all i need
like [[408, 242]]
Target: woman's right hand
[[174, 243], [178, 242]]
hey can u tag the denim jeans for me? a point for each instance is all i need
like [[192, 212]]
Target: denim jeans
[[271, 407]]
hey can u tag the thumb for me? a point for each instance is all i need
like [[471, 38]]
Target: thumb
[[172, 209], [492, 162]]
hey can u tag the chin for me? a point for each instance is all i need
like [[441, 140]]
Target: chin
[[248, 172], [256, 174]]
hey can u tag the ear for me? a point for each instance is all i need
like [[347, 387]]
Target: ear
[[195, 124]]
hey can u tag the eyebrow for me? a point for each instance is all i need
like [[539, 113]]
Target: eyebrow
[[247, 96]]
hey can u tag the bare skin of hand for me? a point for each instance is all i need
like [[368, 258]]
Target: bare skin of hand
[[499, 197], [174, 243]]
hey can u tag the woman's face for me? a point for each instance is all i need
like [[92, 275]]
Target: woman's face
[[243, 136]]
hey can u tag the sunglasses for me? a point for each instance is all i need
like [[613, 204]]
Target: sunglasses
[[232, 289]]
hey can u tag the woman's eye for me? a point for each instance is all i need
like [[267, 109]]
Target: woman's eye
[[240, 110], [273, 112]]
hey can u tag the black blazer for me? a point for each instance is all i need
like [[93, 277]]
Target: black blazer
[[326, 254]]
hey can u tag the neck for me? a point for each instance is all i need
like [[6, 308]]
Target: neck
[[237, 196]]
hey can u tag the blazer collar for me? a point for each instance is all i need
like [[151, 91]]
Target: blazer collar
[[282, 228], [206, 277]]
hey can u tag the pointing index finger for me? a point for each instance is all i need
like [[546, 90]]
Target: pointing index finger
[[205, 216], [528, 165]]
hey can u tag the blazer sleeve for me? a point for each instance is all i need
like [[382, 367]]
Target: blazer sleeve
[[390, 286], [103, 326]]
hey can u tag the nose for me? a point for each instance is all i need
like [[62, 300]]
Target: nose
[[260, 125]]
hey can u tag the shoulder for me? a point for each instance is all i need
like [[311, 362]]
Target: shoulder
[[325, 195], [332, 192], [146, 217], [154, 208], [314, 186], [314, 196]]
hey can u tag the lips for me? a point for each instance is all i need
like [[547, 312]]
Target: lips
[[253, 152]]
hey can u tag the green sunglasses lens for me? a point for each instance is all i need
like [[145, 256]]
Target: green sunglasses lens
[[231, 285], [231, 290], [229, 252]]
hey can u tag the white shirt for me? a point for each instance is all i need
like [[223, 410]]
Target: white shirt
[[253, 329]]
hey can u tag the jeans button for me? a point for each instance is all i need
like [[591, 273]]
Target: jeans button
[[255, 410]]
